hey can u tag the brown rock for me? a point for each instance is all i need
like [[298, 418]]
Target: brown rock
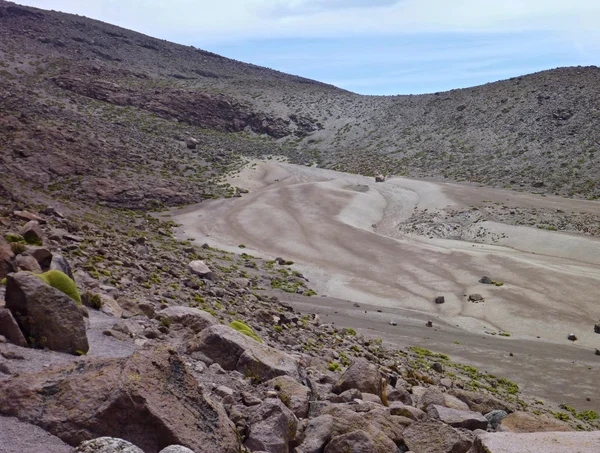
[[354, 442], [189, 317], [398, 394], [317, 434], [436, 437], [149, 399], [24, 215], [200, 269], [432, 395], [403, 410], [271, 427], [46, 315], [480, 402], [524, 422], [32, 232], [457, 418], [235, 351], [293, 394], [9, 328], [361, 375], [26, 262], [42, 255]]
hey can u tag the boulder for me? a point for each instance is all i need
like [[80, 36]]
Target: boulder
[[480, 402], [475, 297], [24, 215], [272, 426], [27, 263], [454, 403], [398, 394], [550, 442], [456, 418], [42, 255], [355, 442], [6, 256], [316, 435], [149, 399], [107, 445], [391, 425], [46, 315], [346, 420], [235, 351], [432, 395], [110, 306], [10, 329], [494, 418], [440, 300], [191, 143], [293, 394], [524, 422], [379, 178], [60, 263], [189, 317], [346, 397], [404, 410], [19, 437], [436, 437], [32, 233], [201, 270], [485, 280], [176, 449], [361, 375]]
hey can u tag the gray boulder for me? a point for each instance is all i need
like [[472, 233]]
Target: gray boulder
[[10, 329], [48, 316], [355, 442], [107, 445], [480, 402], [60, 263], [494, 418], [436, 437], [192, 318], [361, 375], [176, 449], [272, 426], [200, 269], [32, 232], [293, 394], [548, 442], [317, 434], [457, 418]]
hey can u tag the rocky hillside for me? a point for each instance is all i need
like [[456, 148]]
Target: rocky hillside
[[86, 105]]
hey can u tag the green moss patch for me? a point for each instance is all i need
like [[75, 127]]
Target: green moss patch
[[245, 329], [61, 282]]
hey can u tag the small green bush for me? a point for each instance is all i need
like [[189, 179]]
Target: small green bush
[[94, 300], [278, 329], [166, 322], [333, 366], [244, 329], [61, 282], [3, 281], [14, 238]]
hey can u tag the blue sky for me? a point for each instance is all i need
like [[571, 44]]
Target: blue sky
[[372, 47]]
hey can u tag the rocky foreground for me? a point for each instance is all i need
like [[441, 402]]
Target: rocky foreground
[[163, 346]]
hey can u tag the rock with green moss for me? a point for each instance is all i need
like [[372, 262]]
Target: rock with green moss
[[32, 233], [47, 316], [63, 283], [245, 329]]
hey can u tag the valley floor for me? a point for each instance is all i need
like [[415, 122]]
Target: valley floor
[[348, 235]]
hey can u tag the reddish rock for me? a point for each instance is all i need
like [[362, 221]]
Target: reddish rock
[[361, 375], [149, 399]]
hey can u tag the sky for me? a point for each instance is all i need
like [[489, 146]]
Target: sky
[[382, 47]]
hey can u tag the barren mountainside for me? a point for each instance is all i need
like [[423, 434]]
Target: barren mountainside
[[107, 103]]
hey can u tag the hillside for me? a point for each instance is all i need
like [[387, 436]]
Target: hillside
[[103, 99]]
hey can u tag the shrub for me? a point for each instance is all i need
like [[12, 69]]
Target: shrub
[[333, 366], [244, 329], [61, 282], [18, 248], [94, 300], [13, 238], [166, 322]]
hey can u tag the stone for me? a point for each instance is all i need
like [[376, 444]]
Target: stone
[[110, 306], [60, 263], [480, 402], [379, 178], [192, 318], [456, 418], [176, 449], [454, 403], [355, 442], [475, 297], [19, 437], [294, 394], [191, 143], [485, 280], [494, 418], [436, 437], [550, 442], [46, 315], [398, 394], [24, 215], [524, 422], [597, 328], [371, 398], [32, 233], [316, 435], [10, 329], [271, 427], [27, 263], [6, 256], [361, 375], [42, 255], [437, 367], [149, 399], [201, 270], [404, 410], [440, 300], [391, 425], [235, 351], [432, 395], [107, 445], [223, 391]]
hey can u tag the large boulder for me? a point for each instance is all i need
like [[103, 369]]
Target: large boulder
[[107, 445], [19, 437], [436, 437], [295, 395], [200, 269], [26, 262], [524, 422], [192, 318], [46, 316], [235, 351], [355, 442], [430, 396], [176, 449], [10, 329], [317, 434], [550, 442], [480, 402], [361, 375], [149, 399], [457, 418], [272, 426]]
